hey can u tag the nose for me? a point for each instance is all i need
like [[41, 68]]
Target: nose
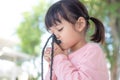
[[55, 40], [57, 34]]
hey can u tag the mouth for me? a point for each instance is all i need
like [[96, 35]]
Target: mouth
[[58, 42], [61, 46]]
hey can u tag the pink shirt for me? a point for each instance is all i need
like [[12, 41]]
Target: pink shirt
[[87, 63]]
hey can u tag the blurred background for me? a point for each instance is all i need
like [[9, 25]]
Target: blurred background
[[23, 35]]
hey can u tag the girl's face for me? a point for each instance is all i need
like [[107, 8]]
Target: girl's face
[[67, 33]]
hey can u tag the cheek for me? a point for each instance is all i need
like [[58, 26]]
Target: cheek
[[69, 40]]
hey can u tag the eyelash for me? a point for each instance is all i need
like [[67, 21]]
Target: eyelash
[[60, 29]]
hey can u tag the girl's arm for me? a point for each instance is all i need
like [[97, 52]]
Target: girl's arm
[[47, 58], [64, 69], [47, 77], [92, 66]]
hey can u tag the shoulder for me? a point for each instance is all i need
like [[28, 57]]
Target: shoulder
[[93, 49], [93, 46], [87, 50]]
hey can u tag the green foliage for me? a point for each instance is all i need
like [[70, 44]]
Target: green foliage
[[90, 31], [103, 10], [113, 8], [30, 29], [96, 8]]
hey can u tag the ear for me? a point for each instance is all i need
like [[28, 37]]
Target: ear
[[80, 24]]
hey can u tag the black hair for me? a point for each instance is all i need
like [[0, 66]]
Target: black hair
[[71, 10]]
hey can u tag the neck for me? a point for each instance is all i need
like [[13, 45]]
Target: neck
[[78, 45]]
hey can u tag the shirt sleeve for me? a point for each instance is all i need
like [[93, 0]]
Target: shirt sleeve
[[64, 70], [92, 68], [47, 77]]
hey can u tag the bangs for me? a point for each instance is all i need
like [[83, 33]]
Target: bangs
[[56, 13], [52, 18]]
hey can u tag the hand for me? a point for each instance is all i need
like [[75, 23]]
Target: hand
[[47, 55], [57, 50]]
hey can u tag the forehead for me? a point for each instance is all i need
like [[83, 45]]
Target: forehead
[[55, 27], [63, 23]]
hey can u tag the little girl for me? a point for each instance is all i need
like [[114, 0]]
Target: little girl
[[75, 58]]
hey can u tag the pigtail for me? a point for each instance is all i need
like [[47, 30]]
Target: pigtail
[[99, 34]]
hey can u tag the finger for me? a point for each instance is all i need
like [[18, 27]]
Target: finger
[[47, 52], [47, 55], [56, 47], [65, 52], [47, 59], [48, 49]]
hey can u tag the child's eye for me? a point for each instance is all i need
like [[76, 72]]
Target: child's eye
[[60, 29]]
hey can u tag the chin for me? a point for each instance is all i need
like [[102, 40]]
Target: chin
[[64, 47]]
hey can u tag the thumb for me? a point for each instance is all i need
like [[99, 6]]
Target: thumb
[[66, 52]]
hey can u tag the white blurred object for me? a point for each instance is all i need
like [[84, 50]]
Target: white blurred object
[[23, 76], [9, 69]]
